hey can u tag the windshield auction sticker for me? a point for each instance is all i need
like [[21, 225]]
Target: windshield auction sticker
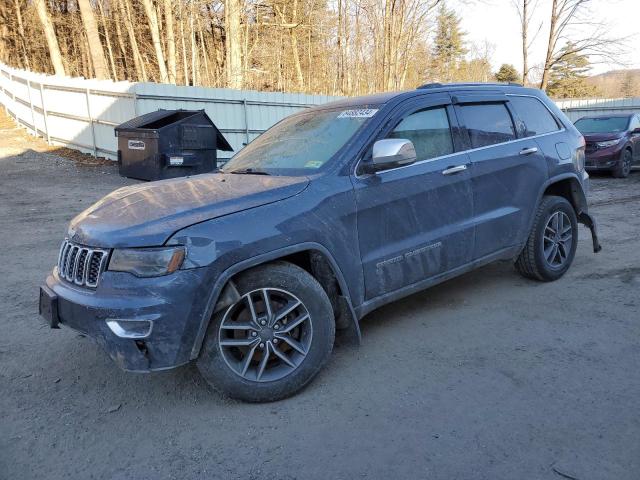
[[360, 113], [313, 164]]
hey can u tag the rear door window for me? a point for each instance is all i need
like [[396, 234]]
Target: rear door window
[[487, 123], [536, 117], [429, 132]]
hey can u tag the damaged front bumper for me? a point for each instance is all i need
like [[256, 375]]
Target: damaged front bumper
[[144, 324]]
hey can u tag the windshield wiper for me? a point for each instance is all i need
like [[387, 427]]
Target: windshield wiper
[[249, 171]]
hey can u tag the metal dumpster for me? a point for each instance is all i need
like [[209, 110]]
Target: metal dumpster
[[168, 144]]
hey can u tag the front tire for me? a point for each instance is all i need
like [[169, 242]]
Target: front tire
[[272, 342], [623, 168], [552, 243]]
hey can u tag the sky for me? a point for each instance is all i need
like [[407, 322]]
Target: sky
[[497, 22]]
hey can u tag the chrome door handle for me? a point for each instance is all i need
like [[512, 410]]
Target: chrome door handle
[[528, 151], [452, 170]]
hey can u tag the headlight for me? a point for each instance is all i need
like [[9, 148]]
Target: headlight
[[608, 143], [147, 262]]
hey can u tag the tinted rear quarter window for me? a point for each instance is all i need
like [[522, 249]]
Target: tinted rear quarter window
[[488, 123], [536, 117]]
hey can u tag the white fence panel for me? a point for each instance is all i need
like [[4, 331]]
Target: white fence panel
[[81, 113], [241, 115], [577, 108]]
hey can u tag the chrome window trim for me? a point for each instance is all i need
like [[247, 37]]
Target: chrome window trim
[[381, 172], [456, 153]]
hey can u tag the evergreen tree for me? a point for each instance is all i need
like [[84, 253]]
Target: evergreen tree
[[507, 73], [628, 86], [568, 77], [448, 45]]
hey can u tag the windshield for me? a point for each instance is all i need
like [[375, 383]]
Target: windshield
[[602, 124], [299, 144]]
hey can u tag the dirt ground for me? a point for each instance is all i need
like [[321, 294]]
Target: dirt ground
[[488, 376]]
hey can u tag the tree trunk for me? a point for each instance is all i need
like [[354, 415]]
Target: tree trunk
[[138, 61], [386, 44], [233, 43], [50, 35], [171, 40], [185, 64], [205, 56], [105, 27], [123, 50], [155, 37], [93, 38], [550, 46], [340, 39], [23, 41], [294, 46], [525, 41], [194, 50]]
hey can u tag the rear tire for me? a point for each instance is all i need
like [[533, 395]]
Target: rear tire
[[272, 342], [623, 168], [552, 243]]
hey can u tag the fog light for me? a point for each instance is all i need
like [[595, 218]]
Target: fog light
[[125, 328]]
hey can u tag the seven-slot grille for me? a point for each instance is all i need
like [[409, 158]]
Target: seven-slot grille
[[81, 265]]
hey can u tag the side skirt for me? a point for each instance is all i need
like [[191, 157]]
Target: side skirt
[[377, 302]]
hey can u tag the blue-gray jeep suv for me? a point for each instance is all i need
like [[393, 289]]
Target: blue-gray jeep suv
[[328, 215]]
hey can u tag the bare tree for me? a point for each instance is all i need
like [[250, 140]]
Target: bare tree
[[171, 40], [233, 43], [566, 14], [525, 9], [317, 46], [156, 38], [342, 28], [141, 71], [21, 35], [93, 39], [50, 35]]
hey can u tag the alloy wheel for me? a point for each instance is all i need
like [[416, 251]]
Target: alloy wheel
[[557, 239], [626, 163], [266, 335]]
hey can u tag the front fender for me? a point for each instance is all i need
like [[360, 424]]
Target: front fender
[[243, 265]]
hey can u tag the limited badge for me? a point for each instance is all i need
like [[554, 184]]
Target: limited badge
[[135, 145]]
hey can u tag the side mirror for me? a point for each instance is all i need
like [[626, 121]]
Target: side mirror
[[635, 131], [392, 152]]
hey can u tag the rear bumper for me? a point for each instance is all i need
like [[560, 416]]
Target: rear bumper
[[172, 305]]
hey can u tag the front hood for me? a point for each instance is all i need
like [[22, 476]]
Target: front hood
[[148, 214], [602, 137]]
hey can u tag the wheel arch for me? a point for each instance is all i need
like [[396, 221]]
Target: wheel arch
[[311, 257], [569, 187]]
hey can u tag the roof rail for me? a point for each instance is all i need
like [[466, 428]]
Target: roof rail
[[467, 84], [430, 85]]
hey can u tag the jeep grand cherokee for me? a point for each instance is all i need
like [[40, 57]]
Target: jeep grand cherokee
[[328, 215]]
